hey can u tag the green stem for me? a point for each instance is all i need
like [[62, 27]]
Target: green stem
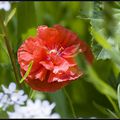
[[70, 102], [10, 51]]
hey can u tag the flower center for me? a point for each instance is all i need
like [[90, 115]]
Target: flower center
[[56, 51], [53, 51]]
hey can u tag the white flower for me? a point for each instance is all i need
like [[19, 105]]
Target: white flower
[[5, 5], [11, 96], [37, 109]]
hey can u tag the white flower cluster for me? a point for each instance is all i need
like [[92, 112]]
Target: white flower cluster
[[11, 96], [5, 5], [36, 109]]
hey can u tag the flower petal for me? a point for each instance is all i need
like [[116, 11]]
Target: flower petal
[[41, 74], [72, 74], [85, 49], [60, 64], [68, 37], [47, 64], [48, 35], [70, 51], [45, 86], [12, 87]]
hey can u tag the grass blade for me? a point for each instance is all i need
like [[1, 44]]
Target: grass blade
[[10, 16], [27, 73]]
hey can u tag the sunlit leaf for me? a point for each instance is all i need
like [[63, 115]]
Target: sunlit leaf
[[10, 16], [101, 40]]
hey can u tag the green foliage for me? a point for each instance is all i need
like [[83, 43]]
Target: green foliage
[[30, 32], [101, 85], [26, 18]]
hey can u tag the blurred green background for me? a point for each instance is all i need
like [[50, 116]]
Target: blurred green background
[[86, 99]]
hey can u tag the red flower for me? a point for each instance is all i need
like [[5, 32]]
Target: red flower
[[53, 53]]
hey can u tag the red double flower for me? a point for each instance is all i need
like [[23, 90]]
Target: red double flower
[[53, 52]]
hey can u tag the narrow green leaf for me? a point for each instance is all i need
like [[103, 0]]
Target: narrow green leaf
[[104, 110], [118, 95], [100, 39], [100, 85], [101, 108], [32, 92], [113, 104], [27, 73], [10, 16], [112, 113]]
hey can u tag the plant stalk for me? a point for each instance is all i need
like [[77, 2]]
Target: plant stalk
[[10, 51]]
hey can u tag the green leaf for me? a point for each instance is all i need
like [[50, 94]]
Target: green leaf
[[27, 73], [112, 50], [101, 40], [12, 13], [98, 51], [104, 54], [100, 85]]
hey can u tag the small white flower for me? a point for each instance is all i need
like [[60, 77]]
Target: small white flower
[[11, 88], [37, 109], [11, 96], [5, 5]]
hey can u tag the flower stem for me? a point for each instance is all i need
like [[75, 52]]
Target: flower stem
[[70, 102], [10, 51]]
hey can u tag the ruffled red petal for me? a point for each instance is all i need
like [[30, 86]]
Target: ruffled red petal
[[71, 74]]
